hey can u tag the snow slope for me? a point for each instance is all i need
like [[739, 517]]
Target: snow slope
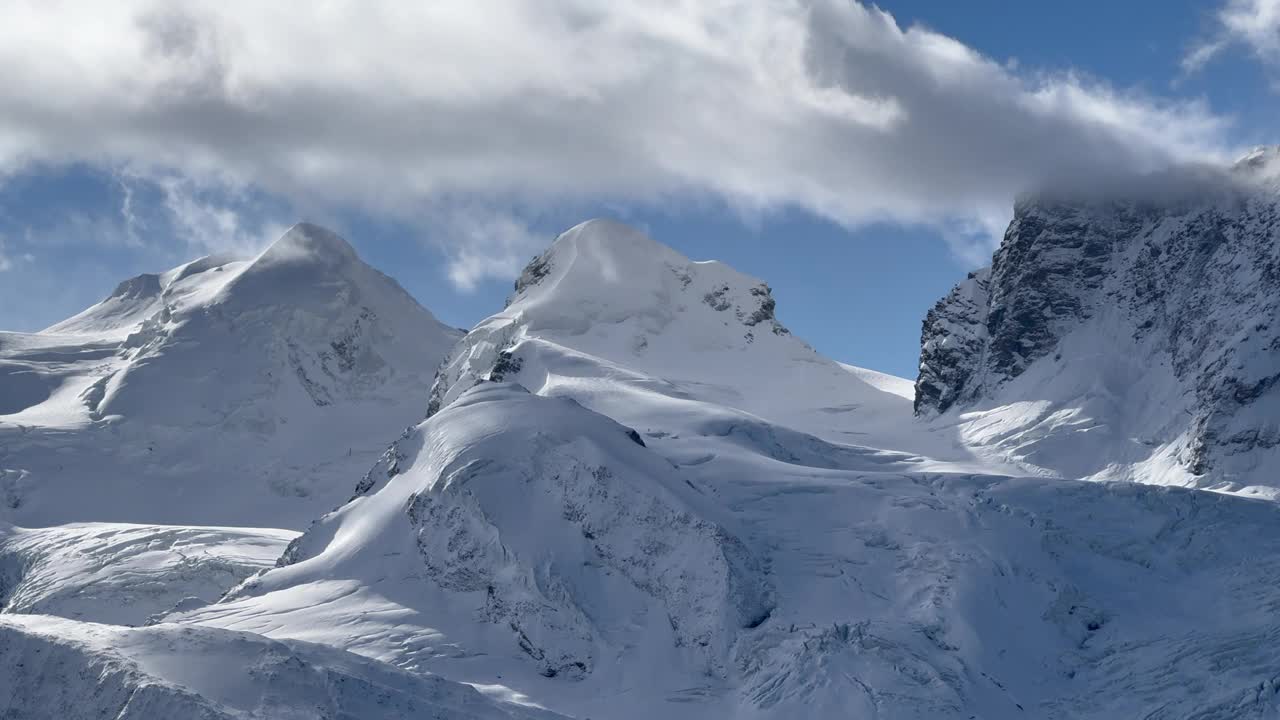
[[218, 393], [532, 545], [638, 496], [1123, 336], [57, 668], [125, 574]]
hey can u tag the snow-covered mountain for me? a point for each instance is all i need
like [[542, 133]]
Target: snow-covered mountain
[[1127, 335], [222, 392], [634, 330], [247, 393], [637, 495]]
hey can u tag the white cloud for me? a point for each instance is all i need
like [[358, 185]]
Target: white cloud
[[133, 224], [196, 213], [8, 260], [1254, 24], [213, 224], [825, 105], [486, 244]]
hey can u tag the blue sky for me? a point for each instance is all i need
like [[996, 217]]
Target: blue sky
[[860, 163]]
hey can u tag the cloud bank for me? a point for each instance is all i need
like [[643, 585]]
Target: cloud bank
[[415, 109]]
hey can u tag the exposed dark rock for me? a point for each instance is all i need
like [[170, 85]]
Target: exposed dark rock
[[506, 364], [718, 299], [1192, 284], [138, 287], [533, 273], [387, 466]]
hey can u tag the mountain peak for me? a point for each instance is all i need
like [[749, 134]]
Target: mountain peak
[[307, 242], [1261, 163], [605, 250], [1147, 320], [307, 266], [604, 234], [608, 290], [1260, 155], [299, 358], [602, 272], [142, 286]]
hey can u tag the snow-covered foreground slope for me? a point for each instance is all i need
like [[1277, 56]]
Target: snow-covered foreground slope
[[1123, 336], [125, 574], [531, 544], [638, 496], [57, 668], [221, 392]]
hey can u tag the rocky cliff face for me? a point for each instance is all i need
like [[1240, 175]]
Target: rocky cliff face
[[1160, 304]]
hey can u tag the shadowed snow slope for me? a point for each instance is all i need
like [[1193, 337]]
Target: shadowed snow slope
[[57, 668], [124, 574], [526, 531], [1126, 336], [220, 392], [690, 514]]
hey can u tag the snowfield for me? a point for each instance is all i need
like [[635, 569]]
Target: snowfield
[[631, 493]]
